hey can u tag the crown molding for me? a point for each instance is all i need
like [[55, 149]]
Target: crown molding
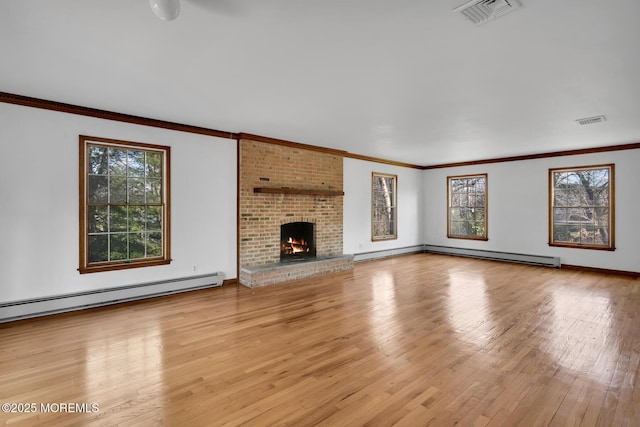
[[27, 101], [631, 146]]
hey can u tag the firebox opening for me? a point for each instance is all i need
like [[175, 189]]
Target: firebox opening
[[297, 241]]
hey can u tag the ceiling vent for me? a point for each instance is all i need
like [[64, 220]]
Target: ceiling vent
[[480, 11], [591, 120]]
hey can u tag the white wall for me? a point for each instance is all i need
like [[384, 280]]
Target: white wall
[[518, 209], [39, 203], [357, 206]]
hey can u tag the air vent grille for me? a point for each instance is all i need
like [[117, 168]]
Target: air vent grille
[[591, 120], [480, 11]]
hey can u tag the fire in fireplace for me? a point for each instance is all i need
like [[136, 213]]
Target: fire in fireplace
[[296, 241]]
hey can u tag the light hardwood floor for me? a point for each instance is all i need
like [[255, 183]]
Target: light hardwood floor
[[410, 341]]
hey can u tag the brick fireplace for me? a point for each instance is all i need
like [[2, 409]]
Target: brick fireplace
[[283, 184]]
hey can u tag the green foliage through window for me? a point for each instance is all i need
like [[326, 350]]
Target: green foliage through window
[[125, 202], [467, 207]]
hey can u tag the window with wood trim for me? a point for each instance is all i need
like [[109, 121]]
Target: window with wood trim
[[124, 204], [384, 209], [467, 207], [581, 207]]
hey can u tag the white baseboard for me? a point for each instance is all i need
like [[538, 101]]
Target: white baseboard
[[548, 261], [543, 260], [366, 256], [22, 309]]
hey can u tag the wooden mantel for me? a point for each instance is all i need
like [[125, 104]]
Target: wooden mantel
[[304, 191]]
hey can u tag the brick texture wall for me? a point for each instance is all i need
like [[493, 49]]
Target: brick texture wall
[[270, 165]]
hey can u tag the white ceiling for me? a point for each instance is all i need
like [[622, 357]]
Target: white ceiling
[[405, 80]]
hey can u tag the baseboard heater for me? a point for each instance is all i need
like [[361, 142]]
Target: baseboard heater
[[547, 261], [366, 256], [23, 309]]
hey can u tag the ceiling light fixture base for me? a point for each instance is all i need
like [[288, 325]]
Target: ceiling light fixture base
[[167, 10]]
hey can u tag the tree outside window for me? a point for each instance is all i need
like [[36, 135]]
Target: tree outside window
[[383, 206], [124, 194], [581, 209], [467, 207]]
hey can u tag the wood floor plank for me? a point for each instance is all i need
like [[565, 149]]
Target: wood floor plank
[[416, 340]]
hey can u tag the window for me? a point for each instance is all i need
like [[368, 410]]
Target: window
[[124, 204], [383, 206], [581, 208], [467, 207]]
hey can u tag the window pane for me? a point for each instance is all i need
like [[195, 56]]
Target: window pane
[[463, 213], [602, 197], [99, 248], [380, 229], [388, 191], [118, 246], [572, 179], [136, 163], [478, 227], [588, 214], [577, 215], [154, 190], [154, 165], [575, 231], [560, 179], [601, 235], [98, 160], [154, 218], [601, 216], [118, 218], [118, 189], [561, 197], [456, 228], [136, 245], [136, 190], [454, 213], [561, 233], [137, 218], [98, 189], [587, 234], [472, 228], [377, 214], [154, 245], [117, 161], [98, 219], [560, 216]]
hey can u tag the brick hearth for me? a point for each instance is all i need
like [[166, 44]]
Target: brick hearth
[[269, 274]]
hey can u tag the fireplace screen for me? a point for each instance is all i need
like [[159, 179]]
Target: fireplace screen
[[296, 241]]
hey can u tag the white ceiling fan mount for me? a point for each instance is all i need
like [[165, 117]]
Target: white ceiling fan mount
[[167, 10]]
